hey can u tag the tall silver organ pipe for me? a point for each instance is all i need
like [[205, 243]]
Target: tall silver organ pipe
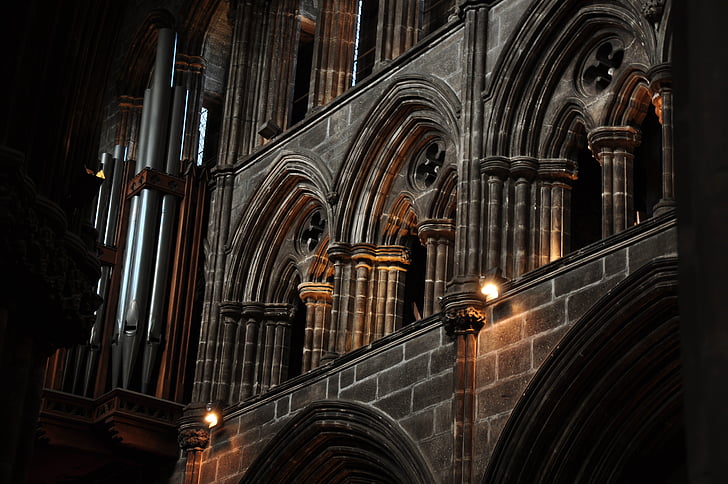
[[116, 190], [116, 340], [136, 309], [165, 240]]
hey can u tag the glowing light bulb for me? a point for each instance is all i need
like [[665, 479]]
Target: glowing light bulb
[[211, 419], [490, 291]]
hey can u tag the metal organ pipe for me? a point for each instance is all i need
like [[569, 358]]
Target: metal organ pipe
[[116, 341], [165, 240], [133, 312]]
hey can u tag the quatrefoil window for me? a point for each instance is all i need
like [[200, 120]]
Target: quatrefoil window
[[601, 66], [312, 230], [428, 165]]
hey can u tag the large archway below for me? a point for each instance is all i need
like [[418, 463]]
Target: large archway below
[[340, 443], [607, 405]]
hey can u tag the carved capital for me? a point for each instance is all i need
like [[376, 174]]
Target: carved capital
[[463, 320], [193, 439], [613, 138]]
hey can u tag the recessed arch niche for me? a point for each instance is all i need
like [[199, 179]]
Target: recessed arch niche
[[339, 442], [606, 406]]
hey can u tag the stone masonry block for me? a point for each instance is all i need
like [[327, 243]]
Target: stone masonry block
[[346, 377], [434, 390], [579, 302], [523, 301], [615, 263], [364, 391], [497, 336], [443, 417], [546, 318], [420, 425], [402, 375], [579, 277], [307, 394], [332, 386], [545, 344], [421, 344], [438, 452], [500, 397], [379, 362], [209, 471], [229, 463], [442, 358], [514, 360], [397, 405], [485, 370], [283, 406], [662, 244]]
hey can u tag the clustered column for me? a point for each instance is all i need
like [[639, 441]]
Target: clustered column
[[318, 297], [613, 147], [661, 86], [368, 296], [437, 236]]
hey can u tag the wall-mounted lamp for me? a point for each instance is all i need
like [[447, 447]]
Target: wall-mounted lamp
[[491, 283], [213, 414]]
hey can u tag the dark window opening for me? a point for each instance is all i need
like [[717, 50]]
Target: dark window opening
[[304, 64], [586, 202], [414, 285], [648, 167], [366, 40]]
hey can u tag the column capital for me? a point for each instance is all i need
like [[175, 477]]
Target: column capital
[[524, 167], [230, 311], [193, 433], [365, 252], [463, 312], [252, 310], [393, 253], [316, 291], [498, 166], [279, 312], [339, 251], [558, 169], [437, 228], [610, 138]]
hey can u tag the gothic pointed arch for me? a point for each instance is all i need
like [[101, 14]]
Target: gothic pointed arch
[[415, 108], [563, 47], [273, 225], [338, 442], [606, 406]]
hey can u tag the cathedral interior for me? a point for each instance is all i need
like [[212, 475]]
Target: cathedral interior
[[349, 241]]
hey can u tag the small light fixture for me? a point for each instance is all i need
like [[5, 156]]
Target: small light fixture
[[212, 415], [490, 284], [489, 290]]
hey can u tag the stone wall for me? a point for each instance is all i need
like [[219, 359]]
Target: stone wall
[[530, 319], [407, 377]]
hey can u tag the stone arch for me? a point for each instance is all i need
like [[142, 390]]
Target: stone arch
[[338, 442], [295, 187], [541, 57], [414, 106], [609, 395]]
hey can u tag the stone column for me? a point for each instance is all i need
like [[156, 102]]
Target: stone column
[[613, 148], [193, 437], [281, 316], [437, 235], [340, 256], [394, 259], [362, 255], [524, 170], [230, 316], [333, 51], [661, 86], [496, 171], [463, 317], [317, 297], [251, 315]]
